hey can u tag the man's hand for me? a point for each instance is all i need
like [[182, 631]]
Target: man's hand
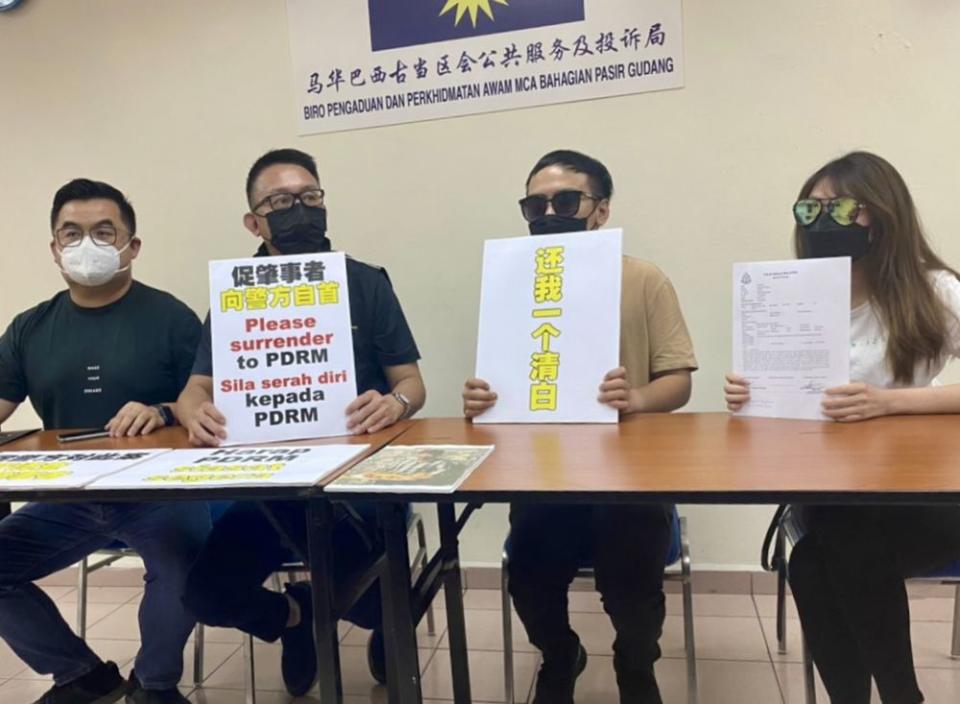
[[477, 397], [853, 402], [134, 419], [736, 391], [205, 425], [615, 390], [371, 412]]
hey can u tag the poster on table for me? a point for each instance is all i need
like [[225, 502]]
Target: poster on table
[[371, 63], [283, 366], [234, 466], [550, 326], [428, 469], [64, 470]]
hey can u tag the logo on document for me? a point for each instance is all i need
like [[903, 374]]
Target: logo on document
[[745, 279], [401, 23]]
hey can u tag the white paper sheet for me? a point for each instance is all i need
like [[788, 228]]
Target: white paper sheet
[[550, 326], [234, 466], [791, 334], [65, 470], [283, 366]]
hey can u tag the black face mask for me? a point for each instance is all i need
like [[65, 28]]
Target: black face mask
[[557, 225], [299, 230], [826, 238]]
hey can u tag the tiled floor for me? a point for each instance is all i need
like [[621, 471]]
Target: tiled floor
[[737, 655]]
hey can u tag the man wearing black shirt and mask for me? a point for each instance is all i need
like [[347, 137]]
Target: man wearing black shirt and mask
[[109, 353], [225, 586]]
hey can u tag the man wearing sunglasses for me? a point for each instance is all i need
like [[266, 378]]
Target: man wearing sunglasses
[[626, 545], [112, 353], [288, 213]]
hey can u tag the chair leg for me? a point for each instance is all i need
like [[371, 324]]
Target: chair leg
[[506, 611], [809, 679], [422, 550], [82, 598], [955, 645], [688, 631], [198, 635], [781, 550], [249, 665]]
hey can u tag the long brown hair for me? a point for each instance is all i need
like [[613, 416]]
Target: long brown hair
[[897, 267]]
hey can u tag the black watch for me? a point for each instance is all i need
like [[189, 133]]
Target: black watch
[[167, 415]]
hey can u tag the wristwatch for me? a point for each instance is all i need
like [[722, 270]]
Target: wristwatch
[[404, 401], [166, 414]]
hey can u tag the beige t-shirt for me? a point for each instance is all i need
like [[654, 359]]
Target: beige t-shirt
[[653, 334]]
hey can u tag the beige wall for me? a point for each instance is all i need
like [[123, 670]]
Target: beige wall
[[172, 101]]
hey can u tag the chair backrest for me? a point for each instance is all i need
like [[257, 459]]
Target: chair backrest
[[673, 554], [217, 509], [951, 572]]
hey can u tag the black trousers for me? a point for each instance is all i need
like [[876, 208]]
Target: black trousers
[[847, 575], [627, 546], [225, 585]]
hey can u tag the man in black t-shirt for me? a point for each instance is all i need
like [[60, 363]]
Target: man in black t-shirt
[[225, 587], [109, 353]]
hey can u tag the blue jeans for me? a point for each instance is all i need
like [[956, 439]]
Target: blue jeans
[[41, 539]]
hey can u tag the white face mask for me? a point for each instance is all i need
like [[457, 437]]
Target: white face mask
[[89, 264]]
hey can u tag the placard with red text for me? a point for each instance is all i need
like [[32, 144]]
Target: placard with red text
[[283, 366]]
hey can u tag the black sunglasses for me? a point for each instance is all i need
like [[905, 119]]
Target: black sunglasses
[[565, 204]]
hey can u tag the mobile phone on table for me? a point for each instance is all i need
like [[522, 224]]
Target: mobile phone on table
[[91, 434], [11, 435]]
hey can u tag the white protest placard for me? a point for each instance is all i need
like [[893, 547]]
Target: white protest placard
[[234, 466], [283, 366], [791, 334], [65, 470], [383, 62], [550, 326]]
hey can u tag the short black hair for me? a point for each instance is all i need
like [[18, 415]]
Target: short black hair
[[85, 189], [281, 156], [600, 178]]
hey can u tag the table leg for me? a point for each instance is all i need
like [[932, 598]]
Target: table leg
[[453, 594], [320, 554], [403, 662]]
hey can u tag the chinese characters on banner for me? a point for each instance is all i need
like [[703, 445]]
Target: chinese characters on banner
[[383, 62], [550, 326], [64, 470], [283, 366], [240, 466], [544, 362]]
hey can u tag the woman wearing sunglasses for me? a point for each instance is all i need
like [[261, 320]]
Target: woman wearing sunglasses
[[847, 572]]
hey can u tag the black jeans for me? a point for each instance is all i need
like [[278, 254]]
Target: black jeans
[[225, 585], [847, 574], [627, 546]]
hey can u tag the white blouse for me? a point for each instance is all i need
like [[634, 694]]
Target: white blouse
[[868, 340]]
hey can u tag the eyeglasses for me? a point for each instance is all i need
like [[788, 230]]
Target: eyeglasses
[[565, 204], [843, 210], [103, 235], [311, 198]]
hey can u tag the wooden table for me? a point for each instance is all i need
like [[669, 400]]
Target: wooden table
[[708, 458], [328, 605]]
